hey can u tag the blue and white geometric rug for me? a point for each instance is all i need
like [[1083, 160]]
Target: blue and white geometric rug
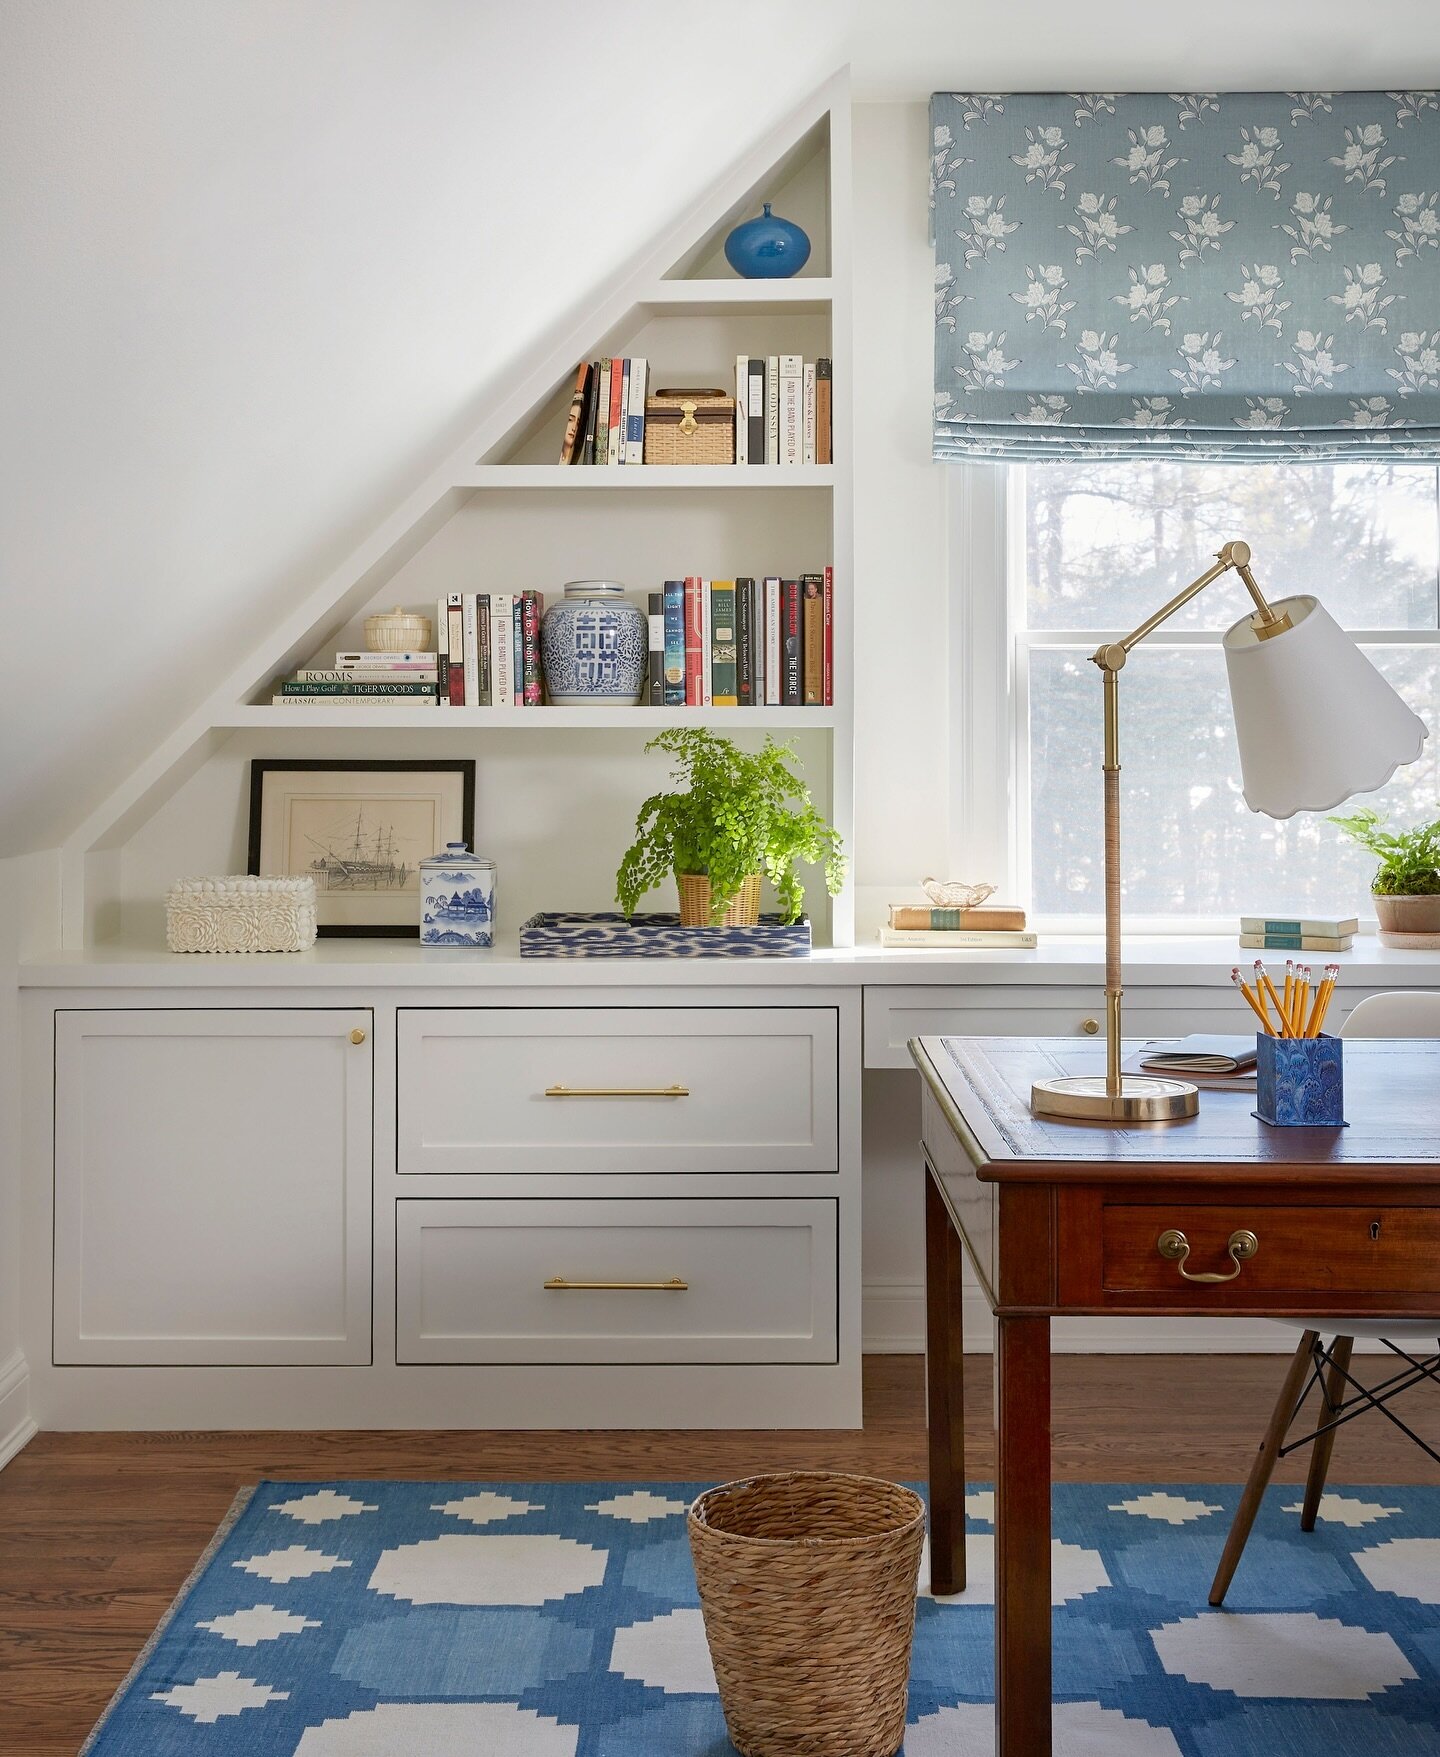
[[425, 1619]]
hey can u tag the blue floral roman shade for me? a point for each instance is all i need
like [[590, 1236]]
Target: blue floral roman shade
[[1240, 276]]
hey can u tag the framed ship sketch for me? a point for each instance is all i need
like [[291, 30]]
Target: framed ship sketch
[[360, 829]]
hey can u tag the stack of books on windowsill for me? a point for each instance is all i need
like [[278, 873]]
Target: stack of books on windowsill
[[1299, 933], [994, 925]]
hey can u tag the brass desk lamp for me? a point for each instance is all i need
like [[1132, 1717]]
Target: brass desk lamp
[[1315, 723]]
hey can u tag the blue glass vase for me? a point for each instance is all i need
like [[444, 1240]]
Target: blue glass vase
[[767, 249], [593, 645]]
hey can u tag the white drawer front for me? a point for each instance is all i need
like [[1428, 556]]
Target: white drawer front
[[760, 1281], [755, 1089], [894, 1015]]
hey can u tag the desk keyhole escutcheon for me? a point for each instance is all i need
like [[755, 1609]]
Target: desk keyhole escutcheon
[[1374, 1231]]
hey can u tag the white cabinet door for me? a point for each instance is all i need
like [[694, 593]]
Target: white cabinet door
[[212, 1186], [618, 1089], [619, 1281]]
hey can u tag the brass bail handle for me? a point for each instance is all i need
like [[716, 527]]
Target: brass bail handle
[[1175, 1248]]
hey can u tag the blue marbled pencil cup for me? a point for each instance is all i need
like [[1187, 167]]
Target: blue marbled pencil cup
[[1299, 1082]]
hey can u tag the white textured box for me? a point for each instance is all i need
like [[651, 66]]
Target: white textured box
[[240, 914]]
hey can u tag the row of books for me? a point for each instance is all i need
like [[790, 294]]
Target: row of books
[[987, 925], [489, 649], [782, 409], [606, 420], [743, 643], [1299, 933]]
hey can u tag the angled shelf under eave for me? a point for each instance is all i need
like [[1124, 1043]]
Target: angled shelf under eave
[[593, 717], [711, 298], [590, 478]]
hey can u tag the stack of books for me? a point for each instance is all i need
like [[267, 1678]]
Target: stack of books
[[743, 643], [489, 650], [395, 680], [923, 924], [1299, 933], [606, 421], [782, 410]]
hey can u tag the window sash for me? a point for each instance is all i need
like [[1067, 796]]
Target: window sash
[[990, 649]]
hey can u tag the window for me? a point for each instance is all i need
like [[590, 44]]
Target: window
[[1061, 557]]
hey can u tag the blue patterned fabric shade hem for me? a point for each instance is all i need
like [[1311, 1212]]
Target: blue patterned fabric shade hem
[[1239, 277]]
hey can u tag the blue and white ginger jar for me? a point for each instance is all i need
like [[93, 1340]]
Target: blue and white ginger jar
[[594, 645], [767, 248], [457, 898]]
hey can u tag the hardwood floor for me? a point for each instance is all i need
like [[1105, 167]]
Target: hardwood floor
[[98, 1531]]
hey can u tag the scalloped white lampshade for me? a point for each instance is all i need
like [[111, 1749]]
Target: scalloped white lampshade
[[1314, 719]]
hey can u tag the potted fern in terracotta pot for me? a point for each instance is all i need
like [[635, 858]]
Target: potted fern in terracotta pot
[[741, 816], [1406, 886]]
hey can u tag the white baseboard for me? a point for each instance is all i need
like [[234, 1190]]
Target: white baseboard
[[893, 1322], [16, 1426]]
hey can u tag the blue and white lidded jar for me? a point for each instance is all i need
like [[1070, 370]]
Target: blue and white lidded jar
[[457, 898], [594, 645]]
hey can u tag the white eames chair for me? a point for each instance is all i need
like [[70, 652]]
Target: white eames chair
[[1315, 1363]]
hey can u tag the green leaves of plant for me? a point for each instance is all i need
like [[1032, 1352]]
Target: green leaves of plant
[[734, 817], [1409, 859]]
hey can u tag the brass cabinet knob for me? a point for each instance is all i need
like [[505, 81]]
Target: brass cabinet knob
[[1090, 1027], [357, 1035]]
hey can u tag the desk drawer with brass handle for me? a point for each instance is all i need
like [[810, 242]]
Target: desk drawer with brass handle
[[683, 1281], [1190, 1256], [617, 1090]]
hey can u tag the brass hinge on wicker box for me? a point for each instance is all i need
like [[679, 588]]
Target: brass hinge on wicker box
[[690, 427]]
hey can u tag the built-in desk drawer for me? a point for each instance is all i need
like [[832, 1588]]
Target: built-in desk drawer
[[1336, 1258], [634, 1282], [894, 1015], [617, 1090]]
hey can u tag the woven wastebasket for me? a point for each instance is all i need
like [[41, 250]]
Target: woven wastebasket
[[807, 1583]]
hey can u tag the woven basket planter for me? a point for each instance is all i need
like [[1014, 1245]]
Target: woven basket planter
[[807, 1584], [694, 889]]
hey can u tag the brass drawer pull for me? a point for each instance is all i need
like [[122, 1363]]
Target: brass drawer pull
[[558, 1284], [1175, 1248], [617, 1091]]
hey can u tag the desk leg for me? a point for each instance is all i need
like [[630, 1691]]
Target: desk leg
[[945, 1394], [1022, 1539]]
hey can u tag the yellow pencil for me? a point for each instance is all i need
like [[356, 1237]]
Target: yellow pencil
[[1254, 1005], [1322, 1000], [1289, 992], [1264, 985], [1302, 994]]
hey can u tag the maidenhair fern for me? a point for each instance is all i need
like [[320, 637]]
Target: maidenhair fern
[[740, 812]]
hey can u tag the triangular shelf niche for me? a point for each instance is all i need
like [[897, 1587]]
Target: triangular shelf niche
[[802, 167], [690, 321]]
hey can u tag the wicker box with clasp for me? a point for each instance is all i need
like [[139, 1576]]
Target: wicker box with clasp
[[689, 427]]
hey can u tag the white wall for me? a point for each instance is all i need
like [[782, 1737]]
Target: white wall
[[29, 912]]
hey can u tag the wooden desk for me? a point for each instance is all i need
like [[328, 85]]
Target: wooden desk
[[1064, 1218]]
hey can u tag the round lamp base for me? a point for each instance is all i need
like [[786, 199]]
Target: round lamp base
[[1143, 1098]]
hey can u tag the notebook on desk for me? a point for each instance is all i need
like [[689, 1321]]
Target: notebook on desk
[[1204, 1058]]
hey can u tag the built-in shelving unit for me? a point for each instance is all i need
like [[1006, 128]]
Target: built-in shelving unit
[[501, 514], [672, 478]]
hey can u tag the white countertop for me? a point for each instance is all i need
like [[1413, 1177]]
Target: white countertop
[[1060, 960]]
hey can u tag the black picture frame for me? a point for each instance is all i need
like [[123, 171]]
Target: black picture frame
[[260, 767]]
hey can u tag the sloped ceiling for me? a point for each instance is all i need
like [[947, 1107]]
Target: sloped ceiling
[[263, 261]]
